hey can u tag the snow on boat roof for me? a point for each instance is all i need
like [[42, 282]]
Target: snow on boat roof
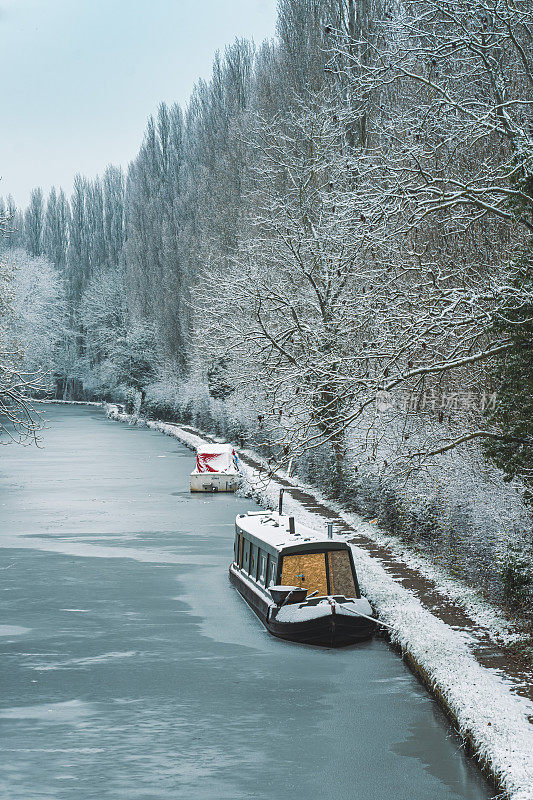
[[216, 458], [214, 449], [274, 530]]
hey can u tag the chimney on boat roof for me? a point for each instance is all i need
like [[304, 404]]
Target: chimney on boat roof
[[291, 526]]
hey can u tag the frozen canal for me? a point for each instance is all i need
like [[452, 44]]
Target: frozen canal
[[132, 669]]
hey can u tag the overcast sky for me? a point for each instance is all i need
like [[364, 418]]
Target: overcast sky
[[79, 77]]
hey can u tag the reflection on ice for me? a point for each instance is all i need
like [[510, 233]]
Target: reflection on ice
[[77, 547], [72, 663], [77, 750], [70, 712], [13, 630]]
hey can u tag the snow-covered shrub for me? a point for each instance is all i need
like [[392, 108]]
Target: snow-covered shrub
[[516, 575], [132, 400]]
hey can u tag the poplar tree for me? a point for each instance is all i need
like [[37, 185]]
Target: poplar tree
[[33, 223]]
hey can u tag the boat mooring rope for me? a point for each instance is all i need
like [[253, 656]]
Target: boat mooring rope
[[372, 619]]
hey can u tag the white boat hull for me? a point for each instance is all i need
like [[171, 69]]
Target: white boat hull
[[214, 482]]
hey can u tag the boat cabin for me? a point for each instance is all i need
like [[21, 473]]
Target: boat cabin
[[302, 586], [270, 552]]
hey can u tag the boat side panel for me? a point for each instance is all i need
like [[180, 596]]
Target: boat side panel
[[258, 604], [214, 482]]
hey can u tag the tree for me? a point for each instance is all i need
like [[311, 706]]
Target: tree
[[113, 186], [153, 250], [37, 324], [33, 223], [103, 314], [450, 86], [56, 225], [18, 418], [288, 298], [512, 449], [380, 222], [78, 259], [435, 203]]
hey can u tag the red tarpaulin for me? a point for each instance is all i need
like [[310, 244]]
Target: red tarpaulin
[[216, 458]]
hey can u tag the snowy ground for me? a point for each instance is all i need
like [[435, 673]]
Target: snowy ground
[[492, 718]]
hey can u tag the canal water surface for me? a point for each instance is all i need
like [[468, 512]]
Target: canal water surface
[[132, 669]]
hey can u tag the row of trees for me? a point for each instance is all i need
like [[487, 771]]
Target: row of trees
[[338, 227], [385, 244]]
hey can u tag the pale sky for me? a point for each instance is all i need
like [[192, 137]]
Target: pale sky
[[80, 77]]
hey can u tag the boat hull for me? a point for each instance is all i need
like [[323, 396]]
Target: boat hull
[[214, 482], [331, 630]]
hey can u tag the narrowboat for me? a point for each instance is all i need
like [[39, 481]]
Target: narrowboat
[[217, 469], [302, 586]]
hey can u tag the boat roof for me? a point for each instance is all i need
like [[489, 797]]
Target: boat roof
[[273, 530], [214, 449]]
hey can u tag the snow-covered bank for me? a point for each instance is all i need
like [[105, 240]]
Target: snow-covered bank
[[489, 715], [70, 402]]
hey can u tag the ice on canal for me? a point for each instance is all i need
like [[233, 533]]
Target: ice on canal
[[132, 669]]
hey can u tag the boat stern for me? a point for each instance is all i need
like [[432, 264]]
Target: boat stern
[[214, 482], [334, 621]]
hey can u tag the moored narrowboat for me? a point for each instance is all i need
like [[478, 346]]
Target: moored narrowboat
[[301, 585]]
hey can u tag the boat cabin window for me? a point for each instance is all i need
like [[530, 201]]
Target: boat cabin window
[[262, 568], [326, 573], [341, 579], [272, 569], [246, 558]]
